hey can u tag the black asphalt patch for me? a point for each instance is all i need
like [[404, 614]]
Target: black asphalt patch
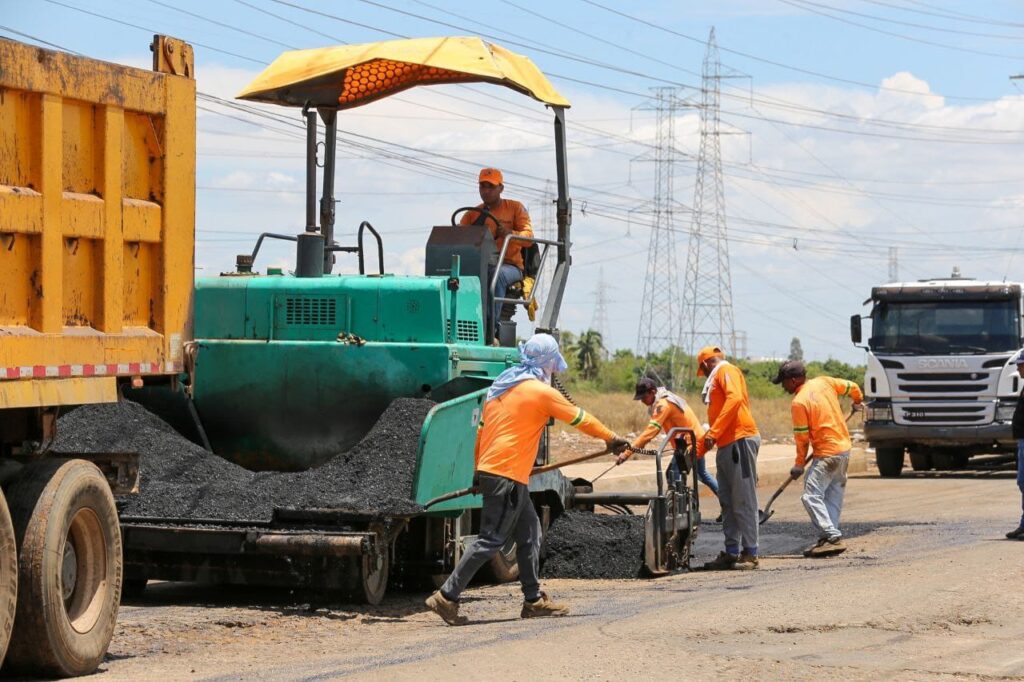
[[586, 545], [181, 480]]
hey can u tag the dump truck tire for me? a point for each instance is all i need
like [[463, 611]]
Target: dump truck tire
[[889, 461], [8, 577], [69, 568]]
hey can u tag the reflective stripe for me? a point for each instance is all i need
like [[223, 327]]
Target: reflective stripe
[[801, 429], [579, 417], [655, 424], [849, 387]]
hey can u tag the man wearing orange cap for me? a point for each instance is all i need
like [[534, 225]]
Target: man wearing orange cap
[[512, 220], [733, 430]]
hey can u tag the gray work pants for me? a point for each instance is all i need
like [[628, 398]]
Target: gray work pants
[[737, 493], [824, 488], [507, 509]]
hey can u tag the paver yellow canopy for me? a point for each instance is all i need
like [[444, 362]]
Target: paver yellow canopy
[[349, 76]]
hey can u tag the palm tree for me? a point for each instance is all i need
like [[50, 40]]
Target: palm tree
[[589, 349]]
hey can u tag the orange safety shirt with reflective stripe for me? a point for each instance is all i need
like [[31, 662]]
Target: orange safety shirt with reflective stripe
[[665, 416], [512, 423], [729, 407], [513, 216], [818, 420]]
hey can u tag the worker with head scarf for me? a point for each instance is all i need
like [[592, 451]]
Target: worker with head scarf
[[732, 429], [517, 408], [820, 427], [510, 218]]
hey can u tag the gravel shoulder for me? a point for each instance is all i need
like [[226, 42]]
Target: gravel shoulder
[[925, 592]]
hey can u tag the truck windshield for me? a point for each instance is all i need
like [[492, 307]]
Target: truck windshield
[[944, 327]]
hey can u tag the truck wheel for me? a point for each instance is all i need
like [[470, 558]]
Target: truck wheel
[[890, 461], [920, 461], [8, 577], [69, 568], [373, 576]]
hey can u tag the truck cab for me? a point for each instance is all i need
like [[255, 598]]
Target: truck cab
[[938, 383]]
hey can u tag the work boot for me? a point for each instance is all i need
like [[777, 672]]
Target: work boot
[[746, 562], [826, 547], [446, 608], [543, 607], [1016, 534], [723, 562]]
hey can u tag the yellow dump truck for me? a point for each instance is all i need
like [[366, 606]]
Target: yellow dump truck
[[97, 216]]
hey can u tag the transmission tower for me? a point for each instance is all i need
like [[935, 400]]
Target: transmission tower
[[599, 322], [894, 264], [741, 344], [707, 287], [659, 319]]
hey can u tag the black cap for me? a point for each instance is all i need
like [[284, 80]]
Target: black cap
[[643, 387], [790, 369]]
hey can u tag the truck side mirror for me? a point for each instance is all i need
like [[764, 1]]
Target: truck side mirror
[[855, 334]]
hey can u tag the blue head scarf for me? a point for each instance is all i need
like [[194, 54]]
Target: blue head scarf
[[539, 358]]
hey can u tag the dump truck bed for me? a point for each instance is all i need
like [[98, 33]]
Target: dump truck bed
[[97, 209]]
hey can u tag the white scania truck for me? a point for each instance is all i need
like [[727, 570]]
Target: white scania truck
[[938, 385]]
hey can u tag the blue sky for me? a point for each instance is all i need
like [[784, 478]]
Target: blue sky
[[860, 125]]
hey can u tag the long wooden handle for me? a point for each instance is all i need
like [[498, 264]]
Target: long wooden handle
[[577, 460]]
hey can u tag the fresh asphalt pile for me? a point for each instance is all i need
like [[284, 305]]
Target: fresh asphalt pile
[[181, 480], [582, 544]]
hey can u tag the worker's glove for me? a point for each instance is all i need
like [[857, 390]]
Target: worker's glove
[[709, 443], [617, 445], [796, 472], [858, 407]]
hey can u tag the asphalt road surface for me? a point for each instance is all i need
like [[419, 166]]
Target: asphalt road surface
[[929, 589]]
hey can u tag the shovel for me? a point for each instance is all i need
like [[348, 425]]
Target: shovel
[[537, 470], [768, 512]]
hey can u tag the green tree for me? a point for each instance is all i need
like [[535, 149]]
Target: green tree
[[589, 350], [796, 351]]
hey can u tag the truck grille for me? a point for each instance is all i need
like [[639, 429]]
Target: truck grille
[[962, 413], [947, 383]]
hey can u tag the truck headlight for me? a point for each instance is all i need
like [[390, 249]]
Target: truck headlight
[[1004, 412], [879, 413]]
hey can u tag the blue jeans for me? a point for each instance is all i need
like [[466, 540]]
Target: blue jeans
[[1020, 477], [702, 473], [824, 488], [507, 274]]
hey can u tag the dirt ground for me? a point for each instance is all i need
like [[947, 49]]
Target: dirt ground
[[928, 590]]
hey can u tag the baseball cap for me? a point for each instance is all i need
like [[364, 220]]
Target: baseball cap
[[705, 353], [643, 387], [492, 175], [790, 369]]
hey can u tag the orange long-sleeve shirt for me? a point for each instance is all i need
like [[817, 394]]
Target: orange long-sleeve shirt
[[665, 416], [729, 407], [511, 426], [513, 216], [818, 421]]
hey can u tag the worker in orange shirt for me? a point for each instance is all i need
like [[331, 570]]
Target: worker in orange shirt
[[819, 426], [518, 406], [732, 429], [512, 219], [669, 411]]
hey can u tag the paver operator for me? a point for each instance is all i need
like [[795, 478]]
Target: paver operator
[[512, 219], [732, 429], [819, 426], [669, 411], [518, 406]]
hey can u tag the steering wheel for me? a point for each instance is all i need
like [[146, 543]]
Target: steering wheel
[[482, 210]]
